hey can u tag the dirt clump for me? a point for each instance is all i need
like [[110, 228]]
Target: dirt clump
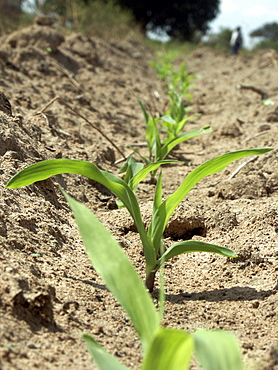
[[37, 36]]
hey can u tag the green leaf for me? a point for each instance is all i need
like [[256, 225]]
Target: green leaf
[[195, 246], [180, 124], [145, 159], [143, 173], [152, 134], [156, 147], [158, 193], [119, 275], [131, 168], [146, 116], [210, 167], [45, 169], [170, 144], [171, 350], [168, 119], [103, 359], [157, 199], [217, 350]]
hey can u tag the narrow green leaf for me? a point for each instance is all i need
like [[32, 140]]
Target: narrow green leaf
[[45, 169], [162, 283], [168, 119], [157, 141], [157, 199], [131, 168], [169, 144], [158, 193], [181, 123], [145, 159], [171, 350], [119, 275], [190, 246], [152, 134], [103, 359], [146, 116], [217, 350], [125, 166], [210, 167], [131, 164], [143, 173]]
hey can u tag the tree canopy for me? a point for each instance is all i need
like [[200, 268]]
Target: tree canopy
[[178, 18], [268, 31]]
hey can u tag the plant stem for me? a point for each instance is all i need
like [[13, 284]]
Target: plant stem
[[150, 281]]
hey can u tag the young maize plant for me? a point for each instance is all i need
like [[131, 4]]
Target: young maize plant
[[163, 348], [159, 149], [176, 117], [152, 237]]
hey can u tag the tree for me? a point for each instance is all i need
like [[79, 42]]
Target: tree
[[180, 19], [268, 31], [10, 12], [13, 6]]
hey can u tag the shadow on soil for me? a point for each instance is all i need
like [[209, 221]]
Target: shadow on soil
[[231, 294]]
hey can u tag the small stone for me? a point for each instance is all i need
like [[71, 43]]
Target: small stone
[[263, 127], [44, 20], [255, 304], [32, 346], [248, 345]]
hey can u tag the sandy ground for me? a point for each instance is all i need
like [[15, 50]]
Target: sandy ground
[[49, 293]]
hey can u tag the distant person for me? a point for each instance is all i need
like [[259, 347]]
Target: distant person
[[236, 41]]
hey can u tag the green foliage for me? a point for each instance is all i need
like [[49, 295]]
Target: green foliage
[[179, 48], [102, 358], [178, 84], [131, 168], [171, 349], [176, 116], [266, 44], [12, 17], [179, 19], [180, 81], [176, 80], [105, 19], [220, 41], [163, 64], [219, 358], [268, 35], [173, 124], [164, 349], [53, 6], [119, 275], [269, 31], [151, 237]]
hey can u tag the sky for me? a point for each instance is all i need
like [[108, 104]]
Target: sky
[[250, 15]]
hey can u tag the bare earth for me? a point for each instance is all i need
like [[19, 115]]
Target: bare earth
[[49, 293]]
